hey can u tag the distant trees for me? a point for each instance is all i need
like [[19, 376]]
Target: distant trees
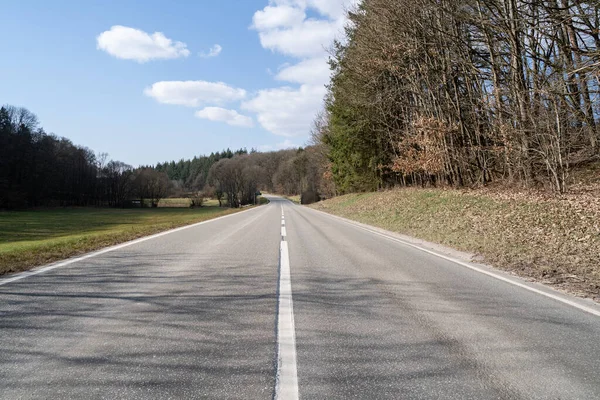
[[463, 93], [151, 184], [303, 172], [191, 175], [117, 179], [237, 179], [286, 172]]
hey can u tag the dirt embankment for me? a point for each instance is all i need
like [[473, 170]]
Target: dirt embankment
[[555, 240]]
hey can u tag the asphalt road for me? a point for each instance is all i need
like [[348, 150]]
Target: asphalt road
[[202, 313]]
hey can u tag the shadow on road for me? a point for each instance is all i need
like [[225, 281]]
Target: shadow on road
[[123, 326]]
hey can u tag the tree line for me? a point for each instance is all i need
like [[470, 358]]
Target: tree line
[[190, 175], [234, 177], [38, 169], [288, 172], [463, 92]]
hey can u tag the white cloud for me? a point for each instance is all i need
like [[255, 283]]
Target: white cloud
[[313, 71], [331, 8], [283, 27], [310, 38], [194, 93], [277, 17], [134, 44], [286, 111], [212, 52], [230, 117], [286, 144]]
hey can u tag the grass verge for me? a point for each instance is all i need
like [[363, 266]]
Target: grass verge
[[32, 238], [549, 239], [263, 200]]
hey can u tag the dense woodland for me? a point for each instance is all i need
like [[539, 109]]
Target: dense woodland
[[463, 92]]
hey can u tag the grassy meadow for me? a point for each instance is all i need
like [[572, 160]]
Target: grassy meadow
[[36, 237]]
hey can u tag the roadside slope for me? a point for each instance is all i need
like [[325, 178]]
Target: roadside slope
[[552, 240]]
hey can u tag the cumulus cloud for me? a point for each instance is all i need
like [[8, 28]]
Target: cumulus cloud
[[212, 52], [230, 117], [287, 111], [310, 38], [134, 44], [302, 30], [311, 71], [194, 93], [286, 144], [284, 27], [331, 8], [276, 17]]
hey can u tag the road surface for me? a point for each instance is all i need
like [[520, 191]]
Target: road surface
[[283, 302]]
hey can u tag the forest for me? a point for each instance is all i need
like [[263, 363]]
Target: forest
[[463, 93]]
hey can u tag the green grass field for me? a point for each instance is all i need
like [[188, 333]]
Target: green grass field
[[31, 238], [176, 202]]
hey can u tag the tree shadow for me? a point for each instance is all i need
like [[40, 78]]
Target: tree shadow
[[125, 327]]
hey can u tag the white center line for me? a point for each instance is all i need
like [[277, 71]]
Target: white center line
[[283, 232], [286, 386]]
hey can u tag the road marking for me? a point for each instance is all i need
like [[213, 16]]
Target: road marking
[[60, 264], [286, 381], [283, 232], [561, 299]]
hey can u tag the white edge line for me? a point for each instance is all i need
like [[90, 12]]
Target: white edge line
[[472, 267], [59, 264]]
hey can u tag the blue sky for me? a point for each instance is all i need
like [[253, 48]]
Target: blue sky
[[150, 81]]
